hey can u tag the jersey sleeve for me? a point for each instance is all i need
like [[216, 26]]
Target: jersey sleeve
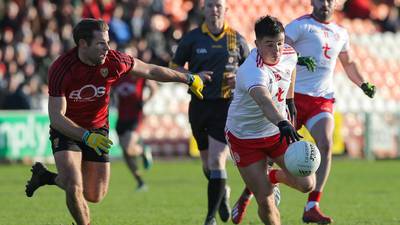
[[183, 52], [243, 48], [254, 78], [346, 45], [293, 30], [124, 62], [56, 74]]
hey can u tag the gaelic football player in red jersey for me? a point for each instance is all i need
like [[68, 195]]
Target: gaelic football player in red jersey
[[129, 95], [79, 87]]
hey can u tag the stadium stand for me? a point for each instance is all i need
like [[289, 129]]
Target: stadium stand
[[374, 50], [34, 33]]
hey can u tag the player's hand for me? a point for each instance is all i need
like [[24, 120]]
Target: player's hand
[[230, 79], [368, 89], [97, 142], [196, 84], [205, 76], [292, 110], [288, 131], [307, 61]]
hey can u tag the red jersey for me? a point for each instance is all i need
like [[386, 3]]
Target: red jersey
[[87, 88], [129, 91]]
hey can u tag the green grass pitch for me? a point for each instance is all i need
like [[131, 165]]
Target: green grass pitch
[[358, 193]]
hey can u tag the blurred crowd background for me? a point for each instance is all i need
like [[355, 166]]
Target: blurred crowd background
[[33, 33]]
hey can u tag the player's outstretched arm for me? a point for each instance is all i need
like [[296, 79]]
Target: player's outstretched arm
[[352, 71], [58, 120], [203, 74], [164, 74]]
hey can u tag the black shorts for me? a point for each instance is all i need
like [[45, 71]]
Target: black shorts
[[208, 117], [60, 142], [126, 125]]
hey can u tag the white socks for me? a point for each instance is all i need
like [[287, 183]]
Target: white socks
[[311, 204]]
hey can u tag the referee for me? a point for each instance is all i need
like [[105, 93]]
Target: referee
[[218, 48]]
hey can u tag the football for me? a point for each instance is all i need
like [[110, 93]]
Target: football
[[302, 158]]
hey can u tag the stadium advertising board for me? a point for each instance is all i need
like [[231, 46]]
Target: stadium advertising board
[[26, 134]]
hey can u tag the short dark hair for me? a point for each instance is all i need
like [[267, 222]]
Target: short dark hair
[[268, 26], [85, 28]]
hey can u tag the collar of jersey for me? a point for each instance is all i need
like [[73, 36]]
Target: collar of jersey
[[205, 30], [318, 20]]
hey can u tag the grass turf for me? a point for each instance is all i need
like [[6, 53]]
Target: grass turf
[[358, 192]]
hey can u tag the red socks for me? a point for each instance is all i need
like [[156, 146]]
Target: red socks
[[272, 176], [314, 196]]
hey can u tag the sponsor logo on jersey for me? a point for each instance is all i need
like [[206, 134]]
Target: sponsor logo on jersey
[[104, 72], [326, 48], [87, 93], [217, 46], [278, 77], [313, 30], [201, 51], [279, 94], [231, 59]]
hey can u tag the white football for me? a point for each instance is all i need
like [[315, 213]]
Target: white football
[[302, 158]]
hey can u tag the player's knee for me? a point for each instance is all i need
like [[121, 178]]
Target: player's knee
[[94, 196], [127, 154], [215, 163], [306, 185], [132, 150]]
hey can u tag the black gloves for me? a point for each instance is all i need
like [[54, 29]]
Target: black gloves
[[368, 89], [288, 131]]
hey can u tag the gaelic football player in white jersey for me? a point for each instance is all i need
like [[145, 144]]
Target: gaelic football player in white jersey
[[317, 36], [257, 125]]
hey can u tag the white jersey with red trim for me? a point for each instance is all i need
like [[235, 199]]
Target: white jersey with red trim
[[245, 118], [324, 42]]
